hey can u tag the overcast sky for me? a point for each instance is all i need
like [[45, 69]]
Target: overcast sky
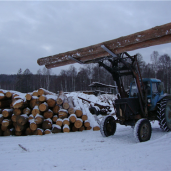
[[34, 29]]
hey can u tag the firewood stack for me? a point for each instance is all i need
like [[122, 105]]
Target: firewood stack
[[41, 112]]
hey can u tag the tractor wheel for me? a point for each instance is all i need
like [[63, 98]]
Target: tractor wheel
[[142, 130], [108, 126], [164, 114]]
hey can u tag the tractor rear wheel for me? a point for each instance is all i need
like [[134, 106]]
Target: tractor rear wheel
[[164, 114], [108, 126], [142, 130]]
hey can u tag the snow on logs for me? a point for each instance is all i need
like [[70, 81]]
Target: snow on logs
[[42, 112]]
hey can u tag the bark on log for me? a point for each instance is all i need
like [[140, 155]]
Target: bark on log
[[88, 128], [56, 128], [48, 114], [22, 119], [56, 109], [81, 128], [14, 117], [34, 101], [2, 96], [43, 107], [1, 118], [20, 127], [78, 123], [47, 124], [17, 111], [8, 132], [28, 131], [154, 36]]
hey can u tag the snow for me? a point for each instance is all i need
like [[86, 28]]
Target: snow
[[8, 110], [54, 97], [87, 150], [18, 101], [57, 126], [2, 95]]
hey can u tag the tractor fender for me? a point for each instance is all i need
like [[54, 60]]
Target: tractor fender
[[164, 96]]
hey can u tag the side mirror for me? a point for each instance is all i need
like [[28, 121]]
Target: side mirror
[[161, 87]]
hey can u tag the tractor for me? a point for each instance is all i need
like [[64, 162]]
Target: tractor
[[146, 100]]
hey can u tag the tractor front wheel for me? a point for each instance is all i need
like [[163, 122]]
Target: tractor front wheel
[[108, 126], [142, 130]]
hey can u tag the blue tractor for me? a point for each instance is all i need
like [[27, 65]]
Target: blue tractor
[[146, 100]]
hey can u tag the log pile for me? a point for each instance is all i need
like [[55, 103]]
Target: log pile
[[41, 112]]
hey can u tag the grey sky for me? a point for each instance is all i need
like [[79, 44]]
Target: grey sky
[[34, 29]]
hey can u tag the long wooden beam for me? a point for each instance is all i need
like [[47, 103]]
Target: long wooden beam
[[154, 36]]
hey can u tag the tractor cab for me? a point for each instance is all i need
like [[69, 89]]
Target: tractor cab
[[154, 90]]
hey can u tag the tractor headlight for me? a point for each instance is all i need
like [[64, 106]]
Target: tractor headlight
[[149, 100]]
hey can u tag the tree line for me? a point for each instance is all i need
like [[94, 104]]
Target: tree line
[[74, 79]]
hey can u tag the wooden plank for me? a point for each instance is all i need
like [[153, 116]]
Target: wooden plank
[[154, 36]]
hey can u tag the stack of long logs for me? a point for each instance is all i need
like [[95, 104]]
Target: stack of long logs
[[40, 112]]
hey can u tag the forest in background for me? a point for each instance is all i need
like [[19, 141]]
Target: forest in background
[[74, 79]]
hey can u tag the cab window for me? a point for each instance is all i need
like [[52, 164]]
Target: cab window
[[154, 88]]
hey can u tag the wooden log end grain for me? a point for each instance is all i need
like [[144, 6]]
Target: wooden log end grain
[[6, 122], [72, 118], [1, 118], [8, 94], [33, 125], [47, 124], [7, 113], [38, 131], [54, 119], [86, 123], [39, 119], [84, 117], [47, 131], [48, 114], [43, 107], [56, 109], [28, 131], [28, 96], [42, 98], [51, 102], [66, 128], [8, 132], [26, 111], [59, 122], [35, 110], [66, 121], [63, 113], [88, 128], [78, 123], [78, 113], [96, 128], [17, 111]]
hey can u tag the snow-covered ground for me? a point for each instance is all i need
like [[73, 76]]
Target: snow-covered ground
[[87, 150]]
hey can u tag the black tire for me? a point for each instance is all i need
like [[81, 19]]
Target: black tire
[[108, 126], [142, 130], [164, 114]]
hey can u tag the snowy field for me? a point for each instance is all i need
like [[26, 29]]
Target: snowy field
[[87, 150]]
